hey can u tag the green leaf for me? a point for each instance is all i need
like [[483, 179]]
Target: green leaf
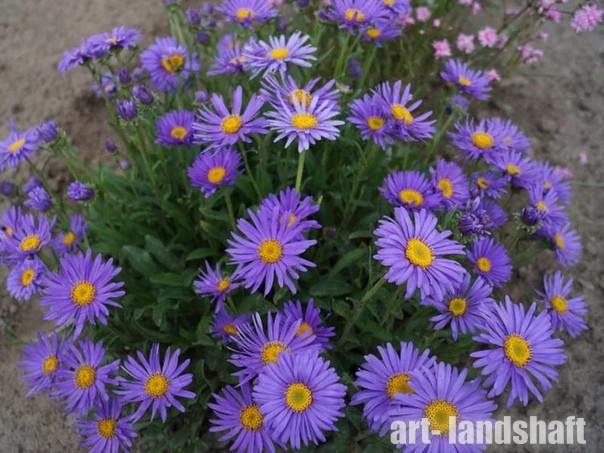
[[161, 253], [330, 287], [349, 258], [200, 253], [140, 260]]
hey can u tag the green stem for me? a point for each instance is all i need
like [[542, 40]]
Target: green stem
[[438, 137], [249, 172], [229, 203], [300, 171]]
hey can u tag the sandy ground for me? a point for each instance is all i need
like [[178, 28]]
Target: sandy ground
[[557, 103]]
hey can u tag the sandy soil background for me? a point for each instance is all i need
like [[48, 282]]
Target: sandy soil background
[[558, 103]]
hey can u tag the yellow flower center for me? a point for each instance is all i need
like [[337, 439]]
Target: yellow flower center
[[517, 350], [541, 206], [419, 253], [231, 124], [230, 329], [457, 306], [304, 121], [411, 197], [178, 132], [375, 123], [482, 183], [280, 53], [238, 60], [304, 327], [398, 383], [291, 220], [69, 238], [298, 397], [216, 175], [173, 63], [446, 187], [484, 264], [389, 2], [16, 146], [559, 240], [400, 113], [464, 81], [513, 170], [27, 276], [303, 97], [271, 350], [84, 377], [482, 140], [30, 242], [373, 33], [156, 385], [9, 231], [270, 251], [559, 304], [244, 13], [223, 285], [251, 418], [547, 185], [438, 413], [83, 293], [353, 14], [50, 365], [106, 427]]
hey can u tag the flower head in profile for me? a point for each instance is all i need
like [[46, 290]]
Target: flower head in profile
[[567, 313], [464, 307], [41, 360], [513, 137], [247, 12], [212, 283], [120, 38], [441, 392], [82, 379], [107, 430], [239, 416], [399, 7], [381, 30], [491, 261], [219, 127], [38, 200], [280, 53], [17, 147], [292, 206], [68, 241], [380, 379], [468, 81], [169, 63], [489, 184], [175, 128], [275, 92], [214, 169], [300, 397], [355, 15], [450, 180], [370, 118], [550, 212], [554, 181], [26, 278], [155, 384], [310, 322], [521, 351], [229, 57], [226, 327], [565, 242], [413, 250], [81, 291], [410, 189]]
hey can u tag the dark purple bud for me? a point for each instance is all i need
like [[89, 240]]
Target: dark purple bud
[[330, 233], [124, 77], [211, 23], [202, 96], [143, 94], [354, 68], [79, 191], [302, 3], [202, 37], [137, 74], [47, 131], [127, 109], [323, 15], [31, 184], [281, 24], [473, 223], [7, 188], [193, 16], [38, 200], [531, 215], [110, 145]]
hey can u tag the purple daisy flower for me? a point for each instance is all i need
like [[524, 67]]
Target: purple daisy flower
[[236, 412], [566, 313], [381, 30], [513, 138], [38, 200], [229, 57], [212, 283], [78, 191], [108, 431], [439, 393], [399, 7], [155, 385], [397, 102], [489, 183], [467, 81], [482, 140], [254, 349], [26, 278], [121, 38], [522, 351], [551, 213], [310, 322], [291, 207], [9, 221], [68, 242], [369, 117], [223, 128], [82, 291], [247, 12], [225, 326], [410, 189], [74, 57], [107, 86], [175, 128], [47, 131], [269, 249], [413, 250], [41, 360], [306, 123], [301, 398], [566, 243], [169, 63], [464, 307], [279, 53], [356, 14], [521, 171], [380, 379], [275, 92], [212, 170], [491, 261], [494, 215], [81, 379], [554, 181], [29, 236], [17, 147], [450, 180]]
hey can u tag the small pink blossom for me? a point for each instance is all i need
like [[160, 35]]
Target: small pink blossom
[[465, 2], [583, 160], [493, 75], [407, 19], [530, 55], [542, 35], [554, 15], [436, 23], [563, 171], [476, 8], [488, 37], [465, 43], [586, 18], [442, 49], [422, 14], [503, 39]]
